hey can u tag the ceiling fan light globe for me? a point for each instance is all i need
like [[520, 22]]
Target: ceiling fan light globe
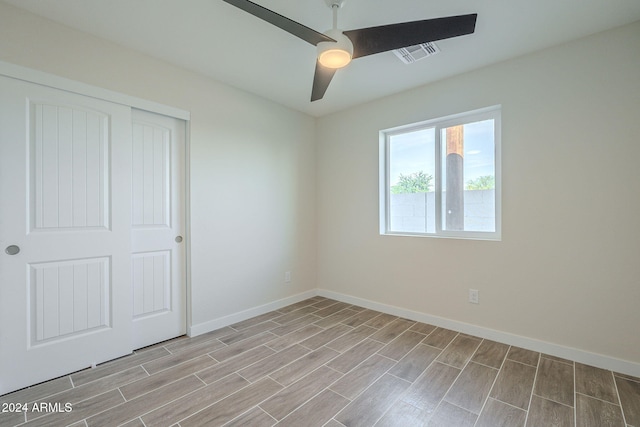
[[334, 58], [335, 54]]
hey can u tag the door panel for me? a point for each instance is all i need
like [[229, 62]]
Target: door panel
[[65, 193], [157, 219]]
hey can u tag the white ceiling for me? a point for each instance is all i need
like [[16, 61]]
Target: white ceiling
[[216, 39]]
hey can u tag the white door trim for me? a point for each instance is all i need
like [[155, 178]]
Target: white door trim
[[57, 82]]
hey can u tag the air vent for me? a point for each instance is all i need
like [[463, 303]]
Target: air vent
[[411, 54]]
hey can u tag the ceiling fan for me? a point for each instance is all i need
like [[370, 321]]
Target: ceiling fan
[[336, 48]]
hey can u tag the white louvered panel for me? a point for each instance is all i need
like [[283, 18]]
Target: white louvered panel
[[151, 279], [68, 298], [69, 168], [151, 175]]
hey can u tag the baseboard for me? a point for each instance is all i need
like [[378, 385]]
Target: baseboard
[[221, 322], [581, 356]]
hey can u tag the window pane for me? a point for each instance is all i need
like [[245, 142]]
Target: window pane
[[468, 177], [412, 181]]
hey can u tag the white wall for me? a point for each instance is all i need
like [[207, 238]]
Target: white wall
[[568, 274], [244, 149]]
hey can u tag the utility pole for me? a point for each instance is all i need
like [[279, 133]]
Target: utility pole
[[455, 178]]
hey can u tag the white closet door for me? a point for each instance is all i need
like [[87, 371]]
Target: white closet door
[[157, 228], [65, 204]]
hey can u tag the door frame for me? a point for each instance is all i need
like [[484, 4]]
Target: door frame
[[45, 79]]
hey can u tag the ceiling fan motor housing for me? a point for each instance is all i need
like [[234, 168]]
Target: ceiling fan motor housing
[[335, 54]]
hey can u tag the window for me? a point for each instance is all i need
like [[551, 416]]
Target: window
[[442, 177]]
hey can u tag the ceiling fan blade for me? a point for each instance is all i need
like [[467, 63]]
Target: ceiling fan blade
[[321, 80], [368, 41], [305, 33]]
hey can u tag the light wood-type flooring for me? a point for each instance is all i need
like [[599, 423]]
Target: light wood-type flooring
[[322, 362]]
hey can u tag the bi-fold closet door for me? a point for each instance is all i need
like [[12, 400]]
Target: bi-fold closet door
[[91, 231]]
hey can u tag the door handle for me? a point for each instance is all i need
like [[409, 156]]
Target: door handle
[[12, 250], [178, 239]]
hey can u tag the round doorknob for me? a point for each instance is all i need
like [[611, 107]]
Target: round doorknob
[[12, 250], [178, 239]]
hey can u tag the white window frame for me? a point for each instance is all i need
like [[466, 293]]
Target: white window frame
[[438, 124]]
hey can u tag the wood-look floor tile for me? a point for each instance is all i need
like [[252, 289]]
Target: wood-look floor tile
[[459, 351], [472, 387], [189, 404], [94, 388], [332, 309], [295, 315], [229, 366], [381, 320], [361, 318], [325, 337], [422, 328], [401, 414], [355, 355], [499, 414], [145, 385], [294, 337], [554, 381], [367, 408], [361, 377], [272, 363], [628, 377], [440, 338], [248, 332], [337, 366], [117, 365], [240, 347], [301, 367], [38, 392], [182, 356], [133, 423], [592, 412], [188, 342], [324, 303], [255, 417], [80, 410], [356, 308], [546, 413], [145, 403], [301, 304], [293, 396], [630, 399], [514, 384], [255, 320], [429, 389], [523, 355], [316, 412], [595, 382], [448, 415], [10, 419], [557, 359], [336, 318], [491, 353], [415, 362], [232, 406], [399, 347], [351, 338], [392, 330], [295, 325]]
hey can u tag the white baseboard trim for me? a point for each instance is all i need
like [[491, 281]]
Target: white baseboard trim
[[581, 356], [221, 322]]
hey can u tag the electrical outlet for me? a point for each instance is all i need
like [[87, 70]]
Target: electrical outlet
[[474, 296], [287, 277]]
